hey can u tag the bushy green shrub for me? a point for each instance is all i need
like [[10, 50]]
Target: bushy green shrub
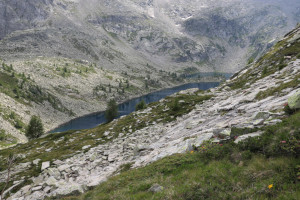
[[140, 106], [35, 128], [287, 109], [18, 124], [112, 110], [209, 150], [281, 66], [246, 155], [175, 105], [2, 135], [265, 71]]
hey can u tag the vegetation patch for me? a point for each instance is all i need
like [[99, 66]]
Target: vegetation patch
[[24, 90]]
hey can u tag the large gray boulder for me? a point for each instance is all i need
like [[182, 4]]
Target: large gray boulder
[[244, 137], [45, 165], [294, 101]]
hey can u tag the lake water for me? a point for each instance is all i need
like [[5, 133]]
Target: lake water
[[93, 120]]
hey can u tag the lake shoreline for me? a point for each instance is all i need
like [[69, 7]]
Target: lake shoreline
[[128, 100]]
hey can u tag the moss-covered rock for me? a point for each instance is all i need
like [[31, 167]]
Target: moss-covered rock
[[294, 101]]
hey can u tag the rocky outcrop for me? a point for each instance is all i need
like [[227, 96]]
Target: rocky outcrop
[[294, 101], [20, 15]]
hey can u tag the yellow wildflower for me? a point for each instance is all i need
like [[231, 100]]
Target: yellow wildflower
[[192, 151], [270, 186]]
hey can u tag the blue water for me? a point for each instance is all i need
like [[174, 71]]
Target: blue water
[[93, 120]]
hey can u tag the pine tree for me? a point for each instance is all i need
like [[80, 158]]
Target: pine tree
[[141, 105], [112, 110], [35, 128]]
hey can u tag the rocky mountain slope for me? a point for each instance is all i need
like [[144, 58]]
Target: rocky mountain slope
[[79, 53], [166, 34], [246, 106]]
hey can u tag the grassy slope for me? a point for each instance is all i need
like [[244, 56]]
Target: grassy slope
[[230, 171]]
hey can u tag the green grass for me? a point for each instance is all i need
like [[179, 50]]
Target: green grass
[[230, 171]]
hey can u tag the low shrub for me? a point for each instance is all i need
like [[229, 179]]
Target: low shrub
[[175, 105], [2, 135], [140, 106], [281, 66], [287, 109]]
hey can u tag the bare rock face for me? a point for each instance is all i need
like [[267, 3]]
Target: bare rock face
[[21, 15], [200, 33]]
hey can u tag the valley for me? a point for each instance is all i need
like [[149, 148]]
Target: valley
[[65, 59], [251, 120]]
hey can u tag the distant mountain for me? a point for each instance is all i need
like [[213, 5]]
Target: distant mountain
[[209, 35]]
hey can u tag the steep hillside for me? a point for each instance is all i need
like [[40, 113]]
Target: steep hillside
[[79, 53], [238, 140]]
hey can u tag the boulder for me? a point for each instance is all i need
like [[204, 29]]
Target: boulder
[[143, 147], [156, 188], [54, 172], [189, 91], [38, 180], [222, 133], [26, 189], [45, 165], [51, 181], [70, 188], [243, 137], [36, 161], [112, 157], [58, 162], [47, 189], [86, 147], [37, 188], [64, 167], [37, 195], [258, 122], [261, 115], [294, 101], [187, 146], [93, 156]]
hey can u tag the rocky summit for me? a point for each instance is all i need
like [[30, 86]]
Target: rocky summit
[[65, 59]]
